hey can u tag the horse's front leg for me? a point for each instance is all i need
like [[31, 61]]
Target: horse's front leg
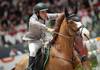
[[77, 61], [86, 65]]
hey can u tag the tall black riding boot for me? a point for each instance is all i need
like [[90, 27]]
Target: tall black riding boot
[[31, 63]]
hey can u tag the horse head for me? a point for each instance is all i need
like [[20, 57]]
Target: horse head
[[72, 16], [73, 21]]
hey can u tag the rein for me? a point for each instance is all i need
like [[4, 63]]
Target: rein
[[62, 35], [67, 36]]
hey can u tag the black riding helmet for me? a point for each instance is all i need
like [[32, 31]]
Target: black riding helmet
[[40, 7]]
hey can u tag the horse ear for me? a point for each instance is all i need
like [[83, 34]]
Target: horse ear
[[73, 5], [66, 12], [76, 8]]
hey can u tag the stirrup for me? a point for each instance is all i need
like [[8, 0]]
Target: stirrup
[[46, 44], [28, 68]]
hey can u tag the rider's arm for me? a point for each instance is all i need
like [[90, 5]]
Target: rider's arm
[[53, 16], [50, 29], [41, 25]]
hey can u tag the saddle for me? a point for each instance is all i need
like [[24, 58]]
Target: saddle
[[42, 58]]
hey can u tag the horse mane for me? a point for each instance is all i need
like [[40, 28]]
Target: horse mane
[[57, 27]]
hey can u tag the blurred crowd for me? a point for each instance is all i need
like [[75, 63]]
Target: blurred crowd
[[14, 16]]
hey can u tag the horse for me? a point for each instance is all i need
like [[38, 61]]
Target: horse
[[62, 55], [22, 64]]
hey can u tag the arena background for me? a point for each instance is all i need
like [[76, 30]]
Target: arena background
[[14, 17]]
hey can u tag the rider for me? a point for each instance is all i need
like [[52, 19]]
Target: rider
[[37, 30]]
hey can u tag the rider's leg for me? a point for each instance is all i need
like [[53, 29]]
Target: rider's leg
[[33, 49], [31, 63]]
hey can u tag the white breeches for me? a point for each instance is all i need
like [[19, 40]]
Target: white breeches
[[34, 47]]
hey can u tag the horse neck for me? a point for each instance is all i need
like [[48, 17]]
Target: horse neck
[[64, 44]]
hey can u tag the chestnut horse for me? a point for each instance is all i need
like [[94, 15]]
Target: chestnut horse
[[62, 55]]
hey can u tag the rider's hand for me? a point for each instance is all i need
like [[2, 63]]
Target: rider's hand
[[50, 29]]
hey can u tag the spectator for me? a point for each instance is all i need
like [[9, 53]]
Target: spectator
[[10, 37], [21, 29]]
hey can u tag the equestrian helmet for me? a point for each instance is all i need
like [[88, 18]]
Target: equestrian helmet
[[40, 7]]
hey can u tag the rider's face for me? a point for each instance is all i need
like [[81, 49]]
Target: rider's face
[[43, 14]]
